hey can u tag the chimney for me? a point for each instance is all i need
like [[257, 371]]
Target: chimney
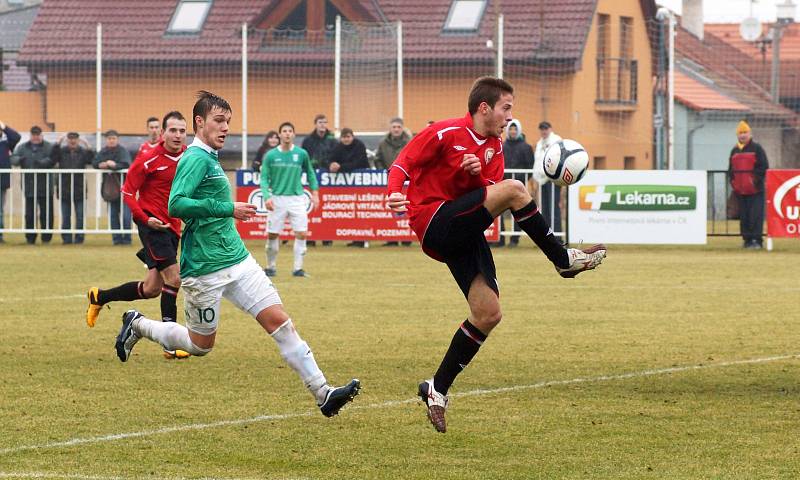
[[692, 17]]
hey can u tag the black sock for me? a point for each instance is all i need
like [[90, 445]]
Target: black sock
[[127, 292], [169, 307], [532, 222], [465, 344]]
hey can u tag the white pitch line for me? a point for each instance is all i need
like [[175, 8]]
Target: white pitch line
[[393, 403], [54, 297]]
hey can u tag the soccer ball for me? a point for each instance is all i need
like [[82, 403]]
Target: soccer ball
[[565, 162]]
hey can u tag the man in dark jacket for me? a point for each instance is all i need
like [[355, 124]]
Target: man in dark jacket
[[350, 154], [320, 142], [519, 156], [114, 157], [39, 187], [9, 138], [76, 154], [392, 143], [747, 167]]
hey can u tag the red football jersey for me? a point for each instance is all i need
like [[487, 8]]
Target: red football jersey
[[152, 179], [432, 163], [146, 149]]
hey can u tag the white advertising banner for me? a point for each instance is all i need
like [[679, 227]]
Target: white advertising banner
[[639, 206]]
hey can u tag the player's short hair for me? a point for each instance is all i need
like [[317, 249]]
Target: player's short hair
[[286, 124], [151, 119], [207, 101], [173, 114], [396, 120], [320, 116], [347, 131], [489, 90]]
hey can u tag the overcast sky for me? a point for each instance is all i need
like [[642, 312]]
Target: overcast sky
[[732, 11]]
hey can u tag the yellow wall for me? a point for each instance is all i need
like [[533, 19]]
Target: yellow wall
[[615, 135], [22, 110]]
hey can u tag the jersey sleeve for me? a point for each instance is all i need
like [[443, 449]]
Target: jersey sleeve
[[311, 174], [265, 164], [419, 151], [133, 182], [188, 176]]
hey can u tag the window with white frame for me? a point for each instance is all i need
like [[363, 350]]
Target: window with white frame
[[189, 16], [465, 15]]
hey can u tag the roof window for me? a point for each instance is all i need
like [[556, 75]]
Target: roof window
[[465, 15], [189, 17]]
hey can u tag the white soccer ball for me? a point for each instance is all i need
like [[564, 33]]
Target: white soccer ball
[[565, 162]]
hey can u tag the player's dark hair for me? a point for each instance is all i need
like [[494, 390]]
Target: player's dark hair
[[286, 124], [347, 131], [173, 114], [489, 90], [151, 119], [207, 101], [319, 116]]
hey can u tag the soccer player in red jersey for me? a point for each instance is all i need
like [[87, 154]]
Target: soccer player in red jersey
[[456, 190], [153, 138], [151, 176]]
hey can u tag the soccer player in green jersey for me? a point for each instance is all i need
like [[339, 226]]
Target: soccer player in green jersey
[[215, 264], [282, 187]]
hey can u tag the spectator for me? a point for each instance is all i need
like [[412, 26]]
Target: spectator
[[9, 138], [271, 140], [114, 157], [70, 186], [390, 146], [392, 143], [38, 188], [350, 154], [153, 137], [519, 156], [747, 168], [551, 193], [320, 142]]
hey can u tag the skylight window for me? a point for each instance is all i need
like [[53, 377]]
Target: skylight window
[[465, 15], [189, 17]]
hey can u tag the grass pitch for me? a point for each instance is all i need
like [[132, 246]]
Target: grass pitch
[[574, 383]]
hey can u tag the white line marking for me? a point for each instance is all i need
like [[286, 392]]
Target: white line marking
[[38, 299], [392, 403]]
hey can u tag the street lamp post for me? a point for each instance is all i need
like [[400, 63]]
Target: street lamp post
[[786, 12]]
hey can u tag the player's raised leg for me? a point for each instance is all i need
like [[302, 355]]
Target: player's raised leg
[[512, 195]]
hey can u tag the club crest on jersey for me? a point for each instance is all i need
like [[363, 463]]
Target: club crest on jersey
[[488, 155]]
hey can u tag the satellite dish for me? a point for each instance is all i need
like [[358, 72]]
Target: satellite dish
[[750, 29]]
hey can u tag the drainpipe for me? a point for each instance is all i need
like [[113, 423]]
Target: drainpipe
[[690, 141]]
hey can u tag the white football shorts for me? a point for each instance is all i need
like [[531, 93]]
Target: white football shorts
[[293, 206], [244, 284]]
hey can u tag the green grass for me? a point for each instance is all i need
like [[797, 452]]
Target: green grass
[[386, 315]]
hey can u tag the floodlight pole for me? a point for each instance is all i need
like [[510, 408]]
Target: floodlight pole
[[99, 86], [500, 40], [671, 96], [400, 69]]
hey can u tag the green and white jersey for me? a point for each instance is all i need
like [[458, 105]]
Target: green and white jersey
[[281, 172], [201, 197]]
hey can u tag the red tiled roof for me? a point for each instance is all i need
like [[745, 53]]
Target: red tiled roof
[[535, 32], [724, 67], [700, 97], [729, 32]]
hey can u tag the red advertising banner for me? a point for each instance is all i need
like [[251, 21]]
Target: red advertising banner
[[783, 203], [352, 207]]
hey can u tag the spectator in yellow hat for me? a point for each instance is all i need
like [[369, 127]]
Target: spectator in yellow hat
[[747, 168]]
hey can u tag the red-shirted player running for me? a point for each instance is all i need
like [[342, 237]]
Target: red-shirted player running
[[456, 189], [151, 176]]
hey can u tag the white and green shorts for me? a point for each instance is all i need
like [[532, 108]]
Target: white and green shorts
[[244, 284], [292, 206]]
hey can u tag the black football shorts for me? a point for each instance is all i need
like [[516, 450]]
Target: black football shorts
[[455, 236], [159, 248]]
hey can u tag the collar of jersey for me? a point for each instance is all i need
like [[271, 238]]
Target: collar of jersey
[[479, 139], [199, 143]]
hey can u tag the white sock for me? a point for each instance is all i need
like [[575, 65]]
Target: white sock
[[298, 355], [299, 253], [170, 335], [273, 245]]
